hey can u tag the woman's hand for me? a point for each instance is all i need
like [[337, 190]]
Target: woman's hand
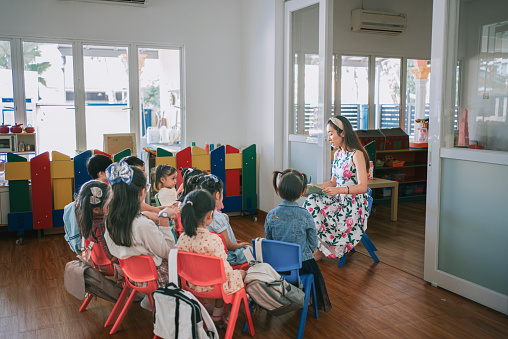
[[331, 191]]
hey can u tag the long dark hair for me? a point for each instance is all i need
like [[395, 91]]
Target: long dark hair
[[211, 183], [124, 207], [351, 141], [162, 171], [289, 184], [93, 193], [194, 208], [190, 180]]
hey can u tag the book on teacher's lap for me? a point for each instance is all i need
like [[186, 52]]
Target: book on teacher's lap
[[314, 189]]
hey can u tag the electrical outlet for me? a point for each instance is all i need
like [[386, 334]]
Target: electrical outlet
[[485, 95]]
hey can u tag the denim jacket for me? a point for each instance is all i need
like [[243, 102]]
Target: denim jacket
[[291, 223]]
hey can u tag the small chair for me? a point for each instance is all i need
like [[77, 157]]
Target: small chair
[[103, 265], [365, 239], [139, 269], [286, 257], [205, 270], [244, 266]]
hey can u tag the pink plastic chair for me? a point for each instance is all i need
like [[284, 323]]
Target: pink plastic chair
[[205, 270], [139, 269], [103, 265]]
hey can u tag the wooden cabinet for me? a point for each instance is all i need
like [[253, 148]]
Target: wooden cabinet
[[412, 176]]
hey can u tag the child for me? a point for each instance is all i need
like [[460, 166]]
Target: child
[[146, 209], [290, 223], [220, 223], [197, 213], [128, 232], [189, 181], [164, 183], [90, 210], [96, 167]]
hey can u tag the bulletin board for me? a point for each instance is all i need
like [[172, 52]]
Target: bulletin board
[[115, 143]]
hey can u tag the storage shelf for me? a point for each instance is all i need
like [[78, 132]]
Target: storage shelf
[[405, 166], [402, 150], [387, 200]]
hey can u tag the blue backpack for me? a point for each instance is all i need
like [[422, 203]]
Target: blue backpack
[[72, 234]]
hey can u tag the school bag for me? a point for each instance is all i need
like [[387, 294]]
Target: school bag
[[80, 278], [72, 234], [269, 289], [177, 313]]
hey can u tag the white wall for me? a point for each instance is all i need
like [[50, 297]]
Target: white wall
[[414, 42], [210, 31], [263, 92]]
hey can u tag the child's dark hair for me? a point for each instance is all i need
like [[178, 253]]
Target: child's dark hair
[[190, 178], [133, 160], [351, 141], [93, 193], [162, 171], [211, 183], [194, 208], [289, 184], [96, 164], [124, 207]]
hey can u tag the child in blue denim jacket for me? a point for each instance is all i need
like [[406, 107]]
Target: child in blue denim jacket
[[291, 223]]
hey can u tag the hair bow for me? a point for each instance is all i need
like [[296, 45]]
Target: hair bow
[[96, 194], [117, 172]]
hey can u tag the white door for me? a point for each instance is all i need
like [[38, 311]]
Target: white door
[[308, 70], [466, 234]]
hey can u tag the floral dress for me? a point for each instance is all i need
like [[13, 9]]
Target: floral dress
[[340, 220]]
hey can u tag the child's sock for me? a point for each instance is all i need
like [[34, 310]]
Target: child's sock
[[209, 308], [145, 303], [217, 313]]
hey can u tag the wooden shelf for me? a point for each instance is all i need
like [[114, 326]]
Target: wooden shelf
[[406, 165], [387, 200], [402, 150]]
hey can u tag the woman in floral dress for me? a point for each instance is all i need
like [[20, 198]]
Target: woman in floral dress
[[341, 212]]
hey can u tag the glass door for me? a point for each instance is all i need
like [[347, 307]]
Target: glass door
[[107, 105], [387, 92], [354, 90], [308, 64]]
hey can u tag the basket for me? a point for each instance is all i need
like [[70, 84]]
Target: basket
[[394, 163]]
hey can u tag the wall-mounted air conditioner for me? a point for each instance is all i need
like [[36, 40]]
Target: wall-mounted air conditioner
[[141, 3], [363, 20]]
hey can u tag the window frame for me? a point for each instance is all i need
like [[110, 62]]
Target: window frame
[[18, 82]]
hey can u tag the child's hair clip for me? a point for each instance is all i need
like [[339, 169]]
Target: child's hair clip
[[212, 176]]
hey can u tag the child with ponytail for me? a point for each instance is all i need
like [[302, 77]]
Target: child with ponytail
[[291, 223], [220, 223], [197, 213], [128, 232]]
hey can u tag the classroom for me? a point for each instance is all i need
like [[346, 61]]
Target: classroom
[[243, 88]]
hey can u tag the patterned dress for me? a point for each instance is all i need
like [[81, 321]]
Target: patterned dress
[[340, 220]]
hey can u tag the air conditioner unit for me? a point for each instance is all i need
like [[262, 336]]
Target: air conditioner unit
[[363, 20], [141, 3]]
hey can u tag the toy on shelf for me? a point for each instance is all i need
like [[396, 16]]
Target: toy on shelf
[[391, 162]]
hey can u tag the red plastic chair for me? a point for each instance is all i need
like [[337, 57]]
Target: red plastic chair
[[244, 266], [140, 269], [205, 270], [178, 225], [103, 265]]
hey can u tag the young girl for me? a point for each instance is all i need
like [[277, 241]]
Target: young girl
[[190, 178], [341, 213], [164, 183], [197, 213], [290, 223], [90, 211], [220, 223], [128, 232]]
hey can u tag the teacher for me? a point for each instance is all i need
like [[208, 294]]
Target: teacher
[[341, 212]]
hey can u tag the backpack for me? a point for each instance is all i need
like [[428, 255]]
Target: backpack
[[177, 313], [269, 289], [72, 234], [81, 278]]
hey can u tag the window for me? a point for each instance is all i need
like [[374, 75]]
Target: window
[[72, 87], [354, 91], [159, 85], [417, 93], [387, 92]]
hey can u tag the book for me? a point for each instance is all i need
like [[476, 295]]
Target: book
[[313, 189]]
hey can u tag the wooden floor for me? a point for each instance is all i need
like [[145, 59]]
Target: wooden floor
[[369, 300]]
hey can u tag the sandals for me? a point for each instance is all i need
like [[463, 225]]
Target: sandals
[[220, 320]]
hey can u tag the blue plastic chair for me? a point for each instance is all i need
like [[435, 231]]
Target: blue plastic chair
[[287, 257], [365, 239]]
